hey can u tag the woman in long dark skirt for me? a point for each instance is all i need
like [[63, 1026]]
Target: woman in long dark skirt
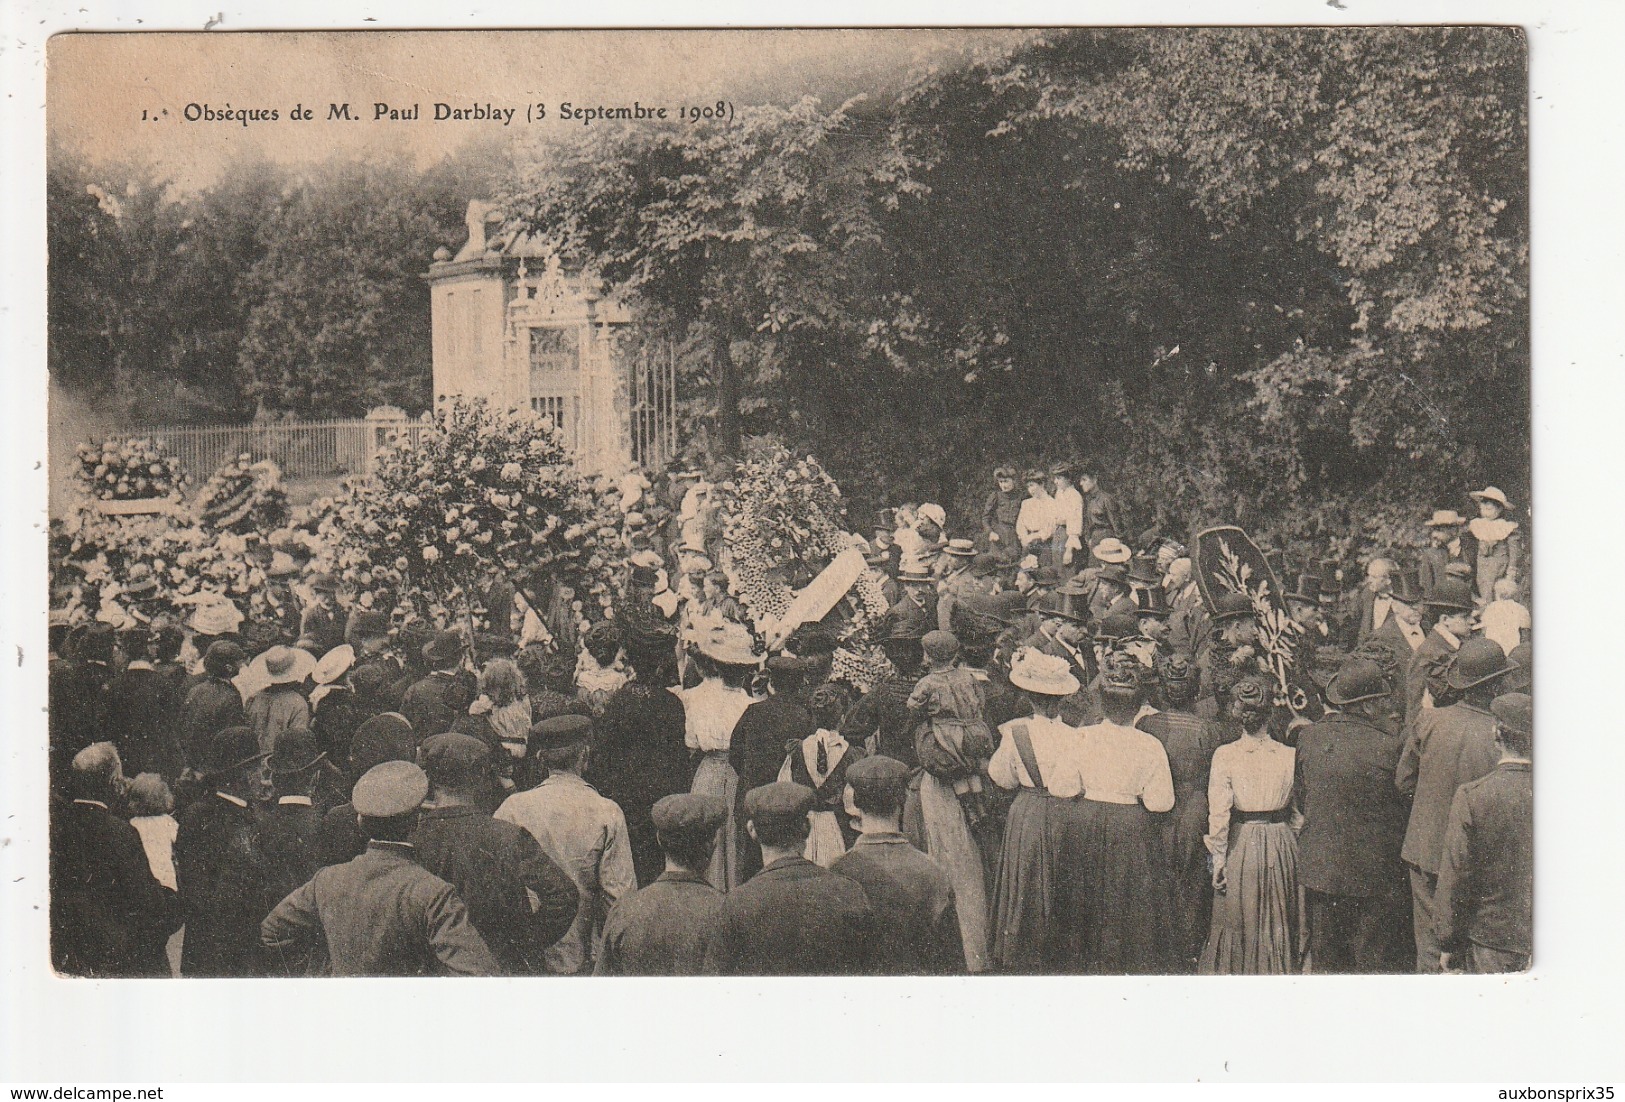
[[1254, 844], [1126, 789], [1037, 758]]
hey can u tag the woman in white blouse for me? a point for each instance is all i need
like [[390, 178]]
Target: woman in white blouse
[[1253, 844], [1126, 786], [711, 709], [1038, 759], [1036, 521]]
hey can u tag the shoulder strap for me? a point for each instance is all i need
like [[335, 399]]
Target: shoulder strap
[[1024, 747]]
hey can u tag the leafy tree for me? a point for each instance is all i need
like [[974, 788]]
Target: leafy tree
[[756, 232]]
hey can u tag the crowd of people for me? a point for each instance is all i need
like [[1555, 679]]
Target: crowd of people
[[1080, 760]]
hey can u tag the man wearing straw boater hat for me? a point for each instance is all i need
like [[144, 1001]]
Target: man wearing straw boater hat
[[1354, 825], [1447, 747], [220, 869]]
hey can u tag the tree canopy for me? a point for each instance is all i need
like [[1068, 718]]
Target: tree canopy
[[1273, 276]]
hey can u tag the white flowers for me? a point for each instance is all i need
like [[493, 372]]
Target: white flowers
[[431, 554], [477, 463], [512, 472]]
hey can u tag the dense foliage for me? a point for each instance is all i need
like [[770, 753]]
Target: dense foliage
[[1271, 276], [1280, 274]]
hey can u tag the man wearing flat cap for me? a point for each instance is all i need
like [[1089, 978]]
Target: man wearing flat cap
[[916, 926], [1446, 748], [220, 870], [663, 929], [1354, 825], [792, 918], [581, 831], [382, 913], [517, 897], [1486, 889]]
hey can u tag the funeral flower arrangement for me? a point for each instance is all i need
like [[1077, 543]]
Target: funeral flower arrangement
[[483, 494], [244, 497], [127, 470], [782, 525]]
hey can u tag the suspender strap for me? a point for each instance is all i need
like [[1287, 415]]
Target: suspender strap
[[1029, 760]]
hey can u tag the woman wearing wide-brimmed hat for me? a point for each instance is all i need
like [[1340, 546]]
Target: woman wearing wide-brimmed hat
[[725, 658], [1038, 759], [1500, 543], [276, 694]]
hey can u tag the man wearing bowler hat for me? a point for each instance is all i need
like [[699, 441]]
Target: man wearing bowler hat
[[580, 830], [290, 826], [518, 899], [220, 870], [441, 689], [323, 620], [1355, 886], [663, 929], [1446, 748], [382, 913], [792, 918], [1450, 603], [1486, 887]]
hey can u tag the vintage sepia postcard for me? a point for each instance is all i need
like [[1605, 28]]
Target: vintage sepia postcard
[[953, 505]]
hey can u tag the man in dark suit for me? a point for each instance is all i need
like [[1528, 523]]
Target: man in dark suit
[[1451, 604], [1354, 825], [664, 928], [1445, 749], [224, 881], [638, 751], [496, 867], [1446, 544], [1100, 514], [213, 703], [759, 738], [447, 688], [916, 926], [1371, 600], [290, 827], [78, 698], [792, 918], [382, 913], [1487, 876], [109, 915]]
